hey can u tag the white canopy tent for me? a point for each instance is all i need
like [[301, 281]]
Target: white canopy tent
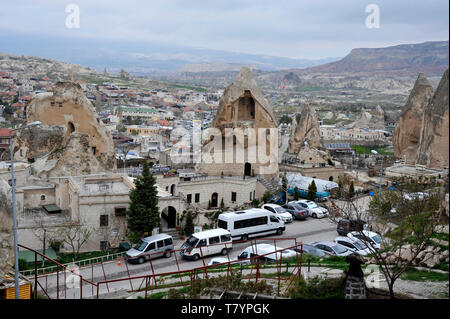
[[302, 182]]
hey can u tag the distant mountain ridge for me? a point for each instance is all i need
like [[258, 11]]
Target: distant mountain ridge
[[405, 59], [142, 57]]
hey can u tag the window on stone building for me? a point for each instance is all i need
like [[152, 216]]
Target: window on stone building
[[197, 197], [103, 220], [119, 211], [42, 197], [233, 196], [189, 198]]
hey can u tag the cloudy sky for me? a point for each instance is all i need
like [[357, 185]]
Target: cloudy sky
[[286, 28]]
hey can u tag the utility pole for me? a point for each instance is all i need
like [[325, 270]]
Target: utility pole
[[13, 186]]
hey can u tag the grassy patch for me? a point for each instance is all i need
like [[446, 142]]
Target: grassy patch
[[194, 88], [361, 149], [441, 236], [423, 275], [442, 266], [65, 258]]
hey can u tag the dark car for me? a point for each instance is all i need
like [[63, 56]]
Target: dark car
[[313, 250], [346, 226], [296, 211]]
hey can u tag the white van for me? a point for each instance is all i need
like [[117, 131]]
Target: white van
[[250, 223], [214, 241]]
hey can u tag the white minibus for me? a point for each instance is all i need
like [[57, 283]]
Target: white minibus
[[250, 223]]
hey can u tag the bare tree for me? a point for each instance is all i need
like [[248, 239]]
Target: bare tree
[[407, 223], [75, 234]]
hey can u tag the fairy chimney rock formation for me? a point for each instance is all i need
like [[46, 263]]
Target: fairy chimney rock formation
[[408, 129], [243, 106], [305, 128], [433, 149], [72, 140], [378, 118], [305, 137]]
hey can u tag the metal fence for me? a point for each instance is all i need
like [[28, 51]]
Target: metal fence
[[63, 281], [78, 263]]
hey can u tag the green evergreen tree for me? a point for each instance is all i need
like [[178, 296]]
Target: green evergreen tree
[[284, 182], [189, 226], [341, 187], [296, 193], [267, 196], [143, 212], [312, 190], [351, 190]]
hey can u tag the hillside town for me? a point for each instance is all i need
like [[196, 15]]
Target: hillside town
[[224, 181]]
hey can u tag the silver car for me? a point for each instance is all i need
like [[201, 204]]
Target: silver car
[[151, 247], [314, 210], [333, 248]]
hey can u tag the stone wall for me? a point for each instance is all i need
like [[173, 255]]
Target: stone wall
[[223, 187], [6, 230]]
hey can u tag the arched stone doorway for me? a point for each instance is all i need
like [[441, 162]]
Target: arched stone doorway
[[246, 107], [248, 169], [331, 178], [70, 127], [169, 217], [214, 198], [172, 189]]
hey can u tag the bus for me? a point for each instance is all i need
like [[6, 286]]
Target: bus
[[250, 223]]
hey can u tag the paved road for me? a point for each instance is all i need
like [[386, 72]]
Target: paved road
[[303, 231]]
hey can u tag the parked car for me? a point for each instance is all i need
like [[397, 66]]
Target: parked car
[[313, 250], [353, 244], [217, 260], [333, 248], [314, 210], [264, 249], [278, 211], [152, 246], [373, 239], [407, 198], [296, 211], [346, 226]]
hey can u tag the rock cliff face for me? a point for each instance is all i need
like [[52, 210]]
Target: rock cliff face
[[433, 150], [305, 137], [71, 140], [408, 129], [305, 128], [373, 120], [6, 230], [243, 106], [378, 118]]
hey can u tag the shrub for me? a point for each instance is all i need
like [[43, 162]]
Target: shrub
[[316, 288]]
